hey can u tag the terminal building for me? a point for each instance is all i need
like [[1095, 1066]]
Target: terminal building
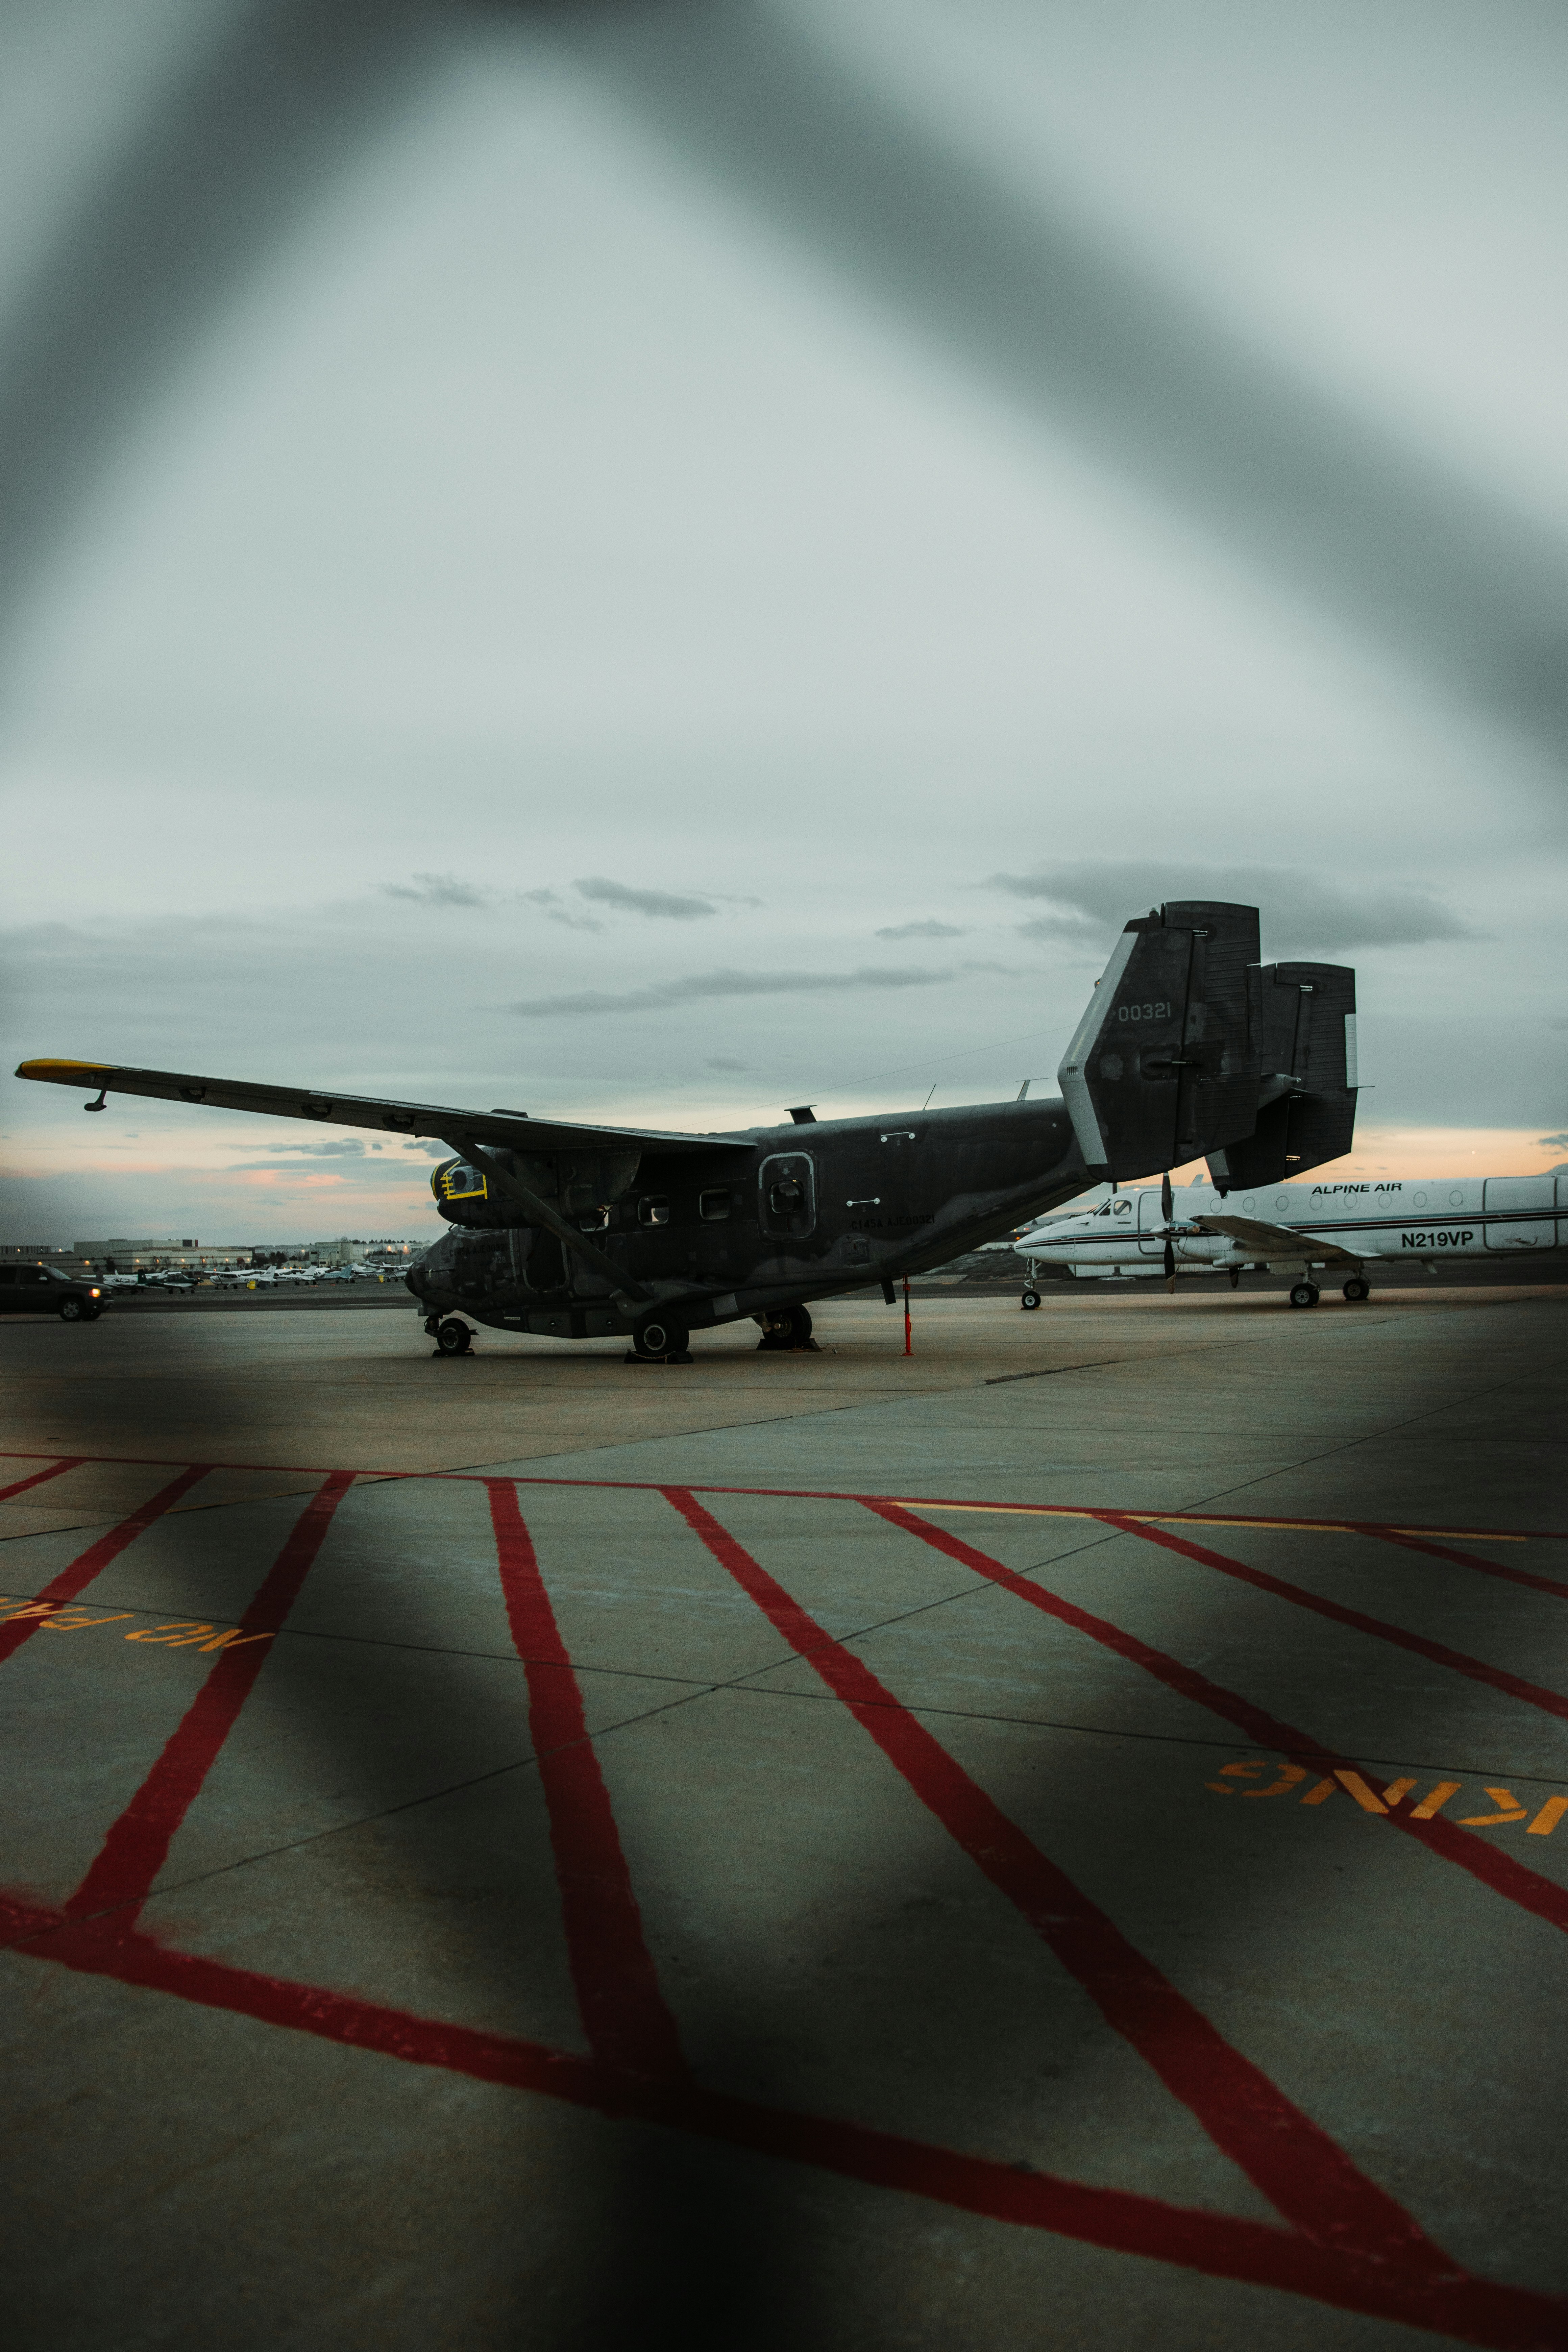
[[123, 1255]]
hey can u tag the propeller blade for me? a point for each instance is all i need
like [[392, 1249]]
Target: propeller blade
[[1170, 1259], [1167, 1199]]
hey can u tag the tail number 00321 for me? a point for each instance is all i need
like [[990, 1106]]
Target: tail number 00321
[[1143, 1012]]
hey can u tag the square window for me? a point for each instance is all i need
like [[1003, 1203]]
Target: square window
[[713, 1207], [653, 1209]]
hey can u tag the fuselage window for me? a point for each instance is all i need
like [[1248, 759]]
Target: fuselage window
[[713, 1207], [787, 1196], [653, 1209], [595, 1221]]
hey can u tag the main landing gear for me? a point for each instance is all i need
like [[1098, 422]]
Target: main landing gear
[[659, 1339], [786, 1328], [1358, 1286], [1304, 1294]]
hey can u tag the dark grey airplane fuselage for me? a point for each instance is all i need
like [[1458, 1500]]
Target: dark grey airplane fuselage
[[715, 1238]]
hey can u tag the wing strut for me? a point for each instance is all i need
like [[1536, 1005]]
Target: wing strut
[[624, 1293]]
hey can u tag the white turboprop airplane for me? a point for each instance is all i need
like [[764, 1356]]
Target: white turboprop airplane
[[1299, 1228]]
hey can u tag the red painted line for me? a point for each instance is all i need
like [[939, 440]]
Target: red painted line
[[39, 1477], [1475, 2311], [99, 1556], [1490, 1863], [627, 2023], [836, 1494], [1551, 1702], [1468, 1559], [1297, 2166], [137, 1845]]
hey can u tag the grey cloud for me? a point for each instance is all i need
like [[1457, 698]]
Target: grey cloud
[[698, 985], [927, 931], [557, 913], [1554, 1143], [1299, 911], [431, 1150], [436, 891], [669, 904]]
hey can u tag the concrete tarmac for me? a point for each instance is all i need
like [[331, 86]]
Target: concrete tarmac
[[1059, 1840]]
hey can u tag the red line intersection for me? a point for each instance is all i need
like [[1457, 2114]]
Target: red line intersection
[[1342, 2240]]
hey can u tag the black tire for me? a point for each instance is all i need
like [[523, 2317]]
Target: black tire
[[454, 1338], [72, 1310], [1031, 1298], [786, 1328], [1304, 1294], [658, 1336], [1356, 1288]]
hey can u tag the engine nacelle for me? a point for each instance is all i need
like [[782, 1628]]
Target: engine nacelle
[[574, 1183]]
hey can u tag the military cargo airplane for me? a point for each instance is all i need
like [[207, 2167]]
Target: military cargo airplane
[[1300, 1228], [1188, 1046]]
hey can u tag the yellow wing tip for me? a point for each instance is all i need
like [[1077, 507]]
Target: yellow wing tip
[[66, 1070]]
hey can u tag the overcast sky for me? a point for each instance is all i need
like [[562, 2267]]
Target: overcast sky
[[693, 558]]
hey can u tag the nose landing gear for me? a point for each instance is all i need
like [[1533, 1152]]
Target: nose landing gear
[[1030, 1298], [452, 1338]]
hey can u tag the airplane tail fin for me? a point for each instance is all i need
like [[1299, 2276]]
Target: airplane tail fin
[[1163, 1067], [1304, 1022], [1190, 1048]]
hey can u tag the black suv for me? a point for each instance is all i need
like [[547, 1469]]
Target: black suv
[[44, 1290]]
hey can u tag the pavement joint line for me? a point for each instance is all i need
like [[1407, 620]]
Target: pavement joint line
[[386, 1812], [748, 1689], [741, 1686], [365, 1479], [1348, 1447], [1049, 1372], [748, 1684]]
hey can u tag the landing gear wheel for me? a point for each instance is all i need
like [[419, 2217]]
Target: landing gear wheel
[[454, 1338], [1358, 1287], [1304, 1294], [72, 1311], [660, 1339], [1030, 1298], [787, 1327]]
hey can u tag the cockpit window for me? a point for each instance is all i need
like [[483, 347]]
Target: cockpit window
[[1122, 1208]]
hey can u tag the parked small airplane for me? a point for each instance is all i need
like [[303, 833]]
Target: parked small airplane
[[1299, 1228], [1188, 1048]]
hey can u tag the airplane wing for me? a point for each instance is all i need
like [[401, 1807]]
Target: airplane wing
[[514, 1129], [1275, 1240]]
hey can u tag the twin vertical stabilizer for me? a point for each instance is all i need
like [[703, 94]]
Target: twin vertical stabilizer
[[1190, 1048]]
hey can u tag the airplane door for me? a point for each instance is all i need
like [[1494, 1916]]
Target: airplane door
[[1151, 1223], [787, 1204], [1531, 1225]]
